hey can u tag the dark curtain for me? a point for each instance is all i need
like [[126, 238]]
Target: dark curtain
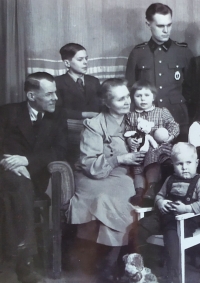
[[12, 50]]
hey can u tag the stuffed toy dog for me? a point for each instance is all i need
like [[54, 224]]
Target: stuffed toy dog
[[142, 135], [135, 270]]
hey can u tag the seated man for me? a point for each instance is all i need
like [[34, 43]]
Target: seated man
[[32, 134]]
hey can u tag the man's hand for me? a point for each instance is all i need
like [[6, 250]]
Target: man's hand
[[21, 171], [10, 162]]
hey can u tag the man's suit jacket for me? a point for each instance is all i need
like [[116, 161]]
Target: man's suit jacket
[[17, 137], [72, 99]]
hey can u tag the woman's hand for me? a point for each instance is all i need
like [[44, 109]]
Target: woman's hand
[[133, 143], [133, 158]]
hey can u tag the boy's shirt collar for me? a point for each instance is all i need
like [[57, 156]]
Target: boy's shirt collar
[[147, 110], [75, 77]]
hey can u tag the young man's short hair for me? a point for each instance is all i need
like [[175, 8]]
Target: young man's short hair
[[68, 51], [157, 8]]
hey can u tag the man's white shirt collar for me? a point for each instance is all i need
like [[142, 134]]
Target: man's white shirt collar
[[75, 77], [33, 113]]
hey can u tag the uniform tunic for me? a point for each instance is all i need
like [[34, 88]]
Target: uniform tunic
[[103, 187], [164, 66]]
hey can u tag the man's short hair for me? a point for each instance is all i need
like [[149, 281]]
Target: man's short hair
[[32, 82], [157, 8], [181, 148], [69, 50]]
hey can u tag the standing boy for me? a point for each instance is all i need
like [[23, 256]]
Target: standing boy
[[77, 91]]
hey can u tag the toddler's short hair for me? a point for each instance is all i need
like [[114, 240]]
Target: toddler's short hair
[[138, 85], [68, 51], [181, 147]]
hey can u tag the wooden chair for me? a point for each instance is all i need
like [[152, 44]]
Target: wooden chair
[[62, 187], [184, 243]]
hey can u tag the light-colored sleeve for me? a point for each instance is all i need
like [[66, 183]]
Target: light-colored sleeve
[[92, 158], [161, 195], [169, 122], [196, 205], [194, 134]]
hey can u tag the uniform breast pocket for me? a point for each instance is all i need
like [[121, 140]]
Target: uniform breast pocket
[[175, 74], [144, 71]]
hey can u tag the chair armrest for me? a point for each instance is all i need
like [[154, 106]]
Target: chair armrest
[[186, 216], [141, 211], [63, 178]]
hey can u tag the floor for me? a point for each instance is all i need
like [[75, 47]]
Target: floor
[[76, 268]]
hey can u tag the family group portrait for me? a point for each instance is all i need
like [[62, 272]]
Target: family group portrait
[[100, 141]]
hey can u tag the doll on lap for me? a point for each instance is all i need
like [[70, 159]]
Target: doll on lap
[[147, 176]]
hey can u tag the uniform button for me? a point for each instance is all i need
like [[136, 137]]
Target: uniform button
[[160, 100], [142, 67], [160, 74], [181, 100], [177, 66], [159, 49], [160, 87], [160, 61]]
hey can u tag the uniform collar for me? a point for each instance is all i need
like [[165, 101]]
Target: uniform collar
[[165, 46]]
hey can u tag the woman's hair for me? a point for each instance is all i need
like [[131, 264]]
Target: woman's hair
[[105, 91], [69, 50], [157, 8], [181, 148], [143, 84]]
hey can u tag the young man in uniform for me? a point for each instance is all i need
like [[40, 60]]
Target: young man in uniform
[[164, 63]]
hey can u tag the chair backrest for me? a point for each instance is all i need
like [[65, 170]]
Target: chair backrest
[[74, 130], [67, 180]]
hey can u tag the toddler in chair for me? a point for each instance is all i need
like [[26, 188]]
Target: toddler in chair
[[179, 194]]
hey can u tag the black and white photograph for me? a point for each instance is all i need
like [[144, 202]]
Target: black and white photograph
[[99, 141]]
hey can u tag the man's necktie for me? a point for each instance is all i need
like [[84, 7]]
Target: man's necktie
[[80, 85], [39, 119]]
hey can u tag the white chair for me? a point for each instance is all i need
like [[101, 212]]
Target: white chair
[[184, 243]]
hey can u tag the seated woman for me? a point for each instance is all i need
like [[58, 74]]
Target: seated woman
[[103, 185]]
